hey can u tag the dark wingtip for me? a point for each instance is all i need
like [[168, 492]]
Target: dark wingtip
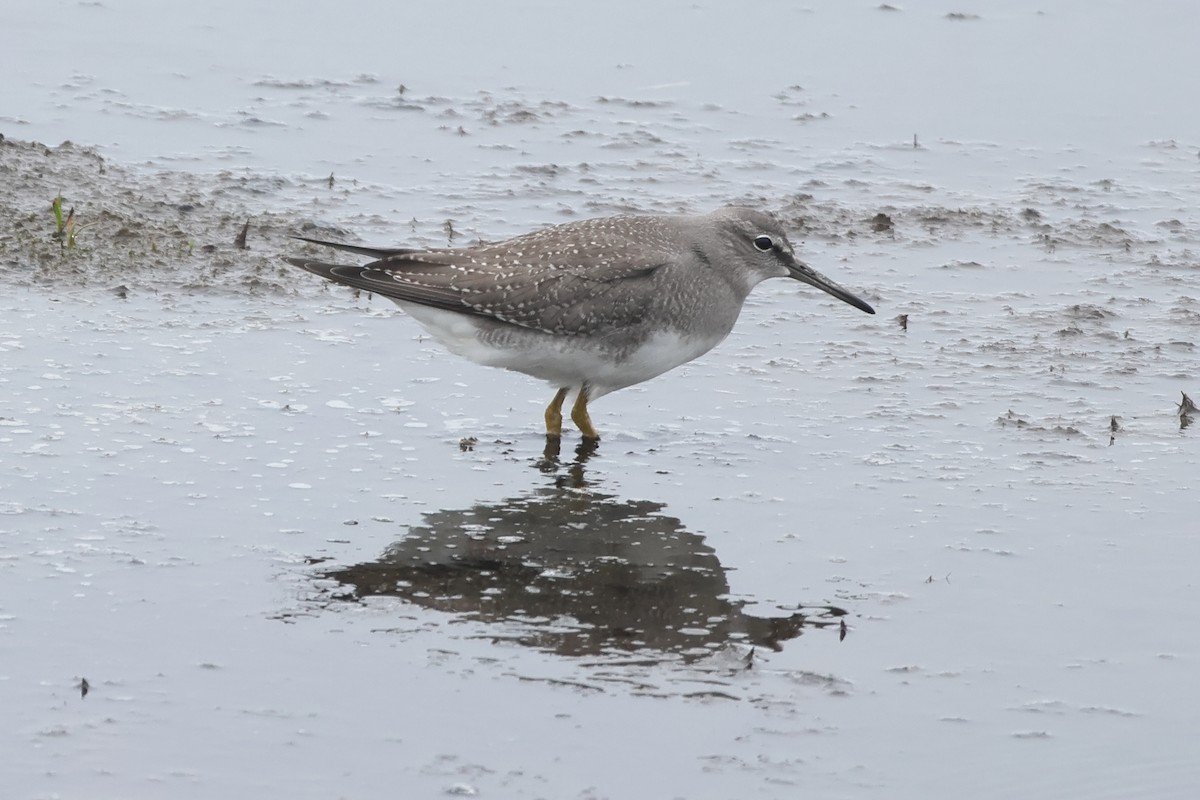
[[371, 252], [311, 240]]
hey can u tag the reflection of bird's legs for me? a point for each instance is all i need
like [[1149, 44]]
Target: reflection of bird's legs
[[579, 414], [554, 414]]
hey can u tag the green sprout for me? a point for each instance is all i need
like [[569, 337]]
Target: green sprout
[[65, 227], [56, 207]]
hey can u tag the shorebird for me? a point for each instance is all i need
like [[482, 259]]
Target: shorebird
[[590, 306]]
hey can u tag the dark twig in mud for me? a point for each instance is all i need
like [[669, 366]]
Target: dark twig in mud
[[69, 229], [239, 241]]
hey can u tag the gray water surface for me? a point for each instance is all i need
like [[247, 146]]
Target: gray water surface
[[295, 549]]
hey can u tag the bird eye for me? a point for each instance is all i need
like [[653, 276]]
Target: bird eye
[[763, 243]]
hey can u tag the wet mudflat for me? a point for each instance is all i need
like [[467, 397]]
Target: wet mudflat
[[293, 548]]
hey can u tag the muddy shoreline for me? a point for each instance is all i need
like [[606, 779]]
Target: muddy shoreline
[[158, 227], [154, 228]]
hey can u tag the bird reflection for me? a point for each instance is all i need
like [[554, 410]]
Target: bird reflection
[[573, 570]]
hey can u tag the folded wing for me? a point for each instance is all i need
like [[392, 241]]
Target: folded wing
[[533, 281]]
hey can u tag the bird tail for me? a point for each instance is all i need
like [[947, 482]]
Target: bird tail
[[345, 274]]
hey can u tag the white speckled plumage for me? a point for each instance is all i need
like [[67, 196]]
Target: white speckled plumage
[[594, 305]]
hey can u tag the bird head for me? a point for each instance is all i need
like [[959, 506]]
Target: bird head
[[762, 250]]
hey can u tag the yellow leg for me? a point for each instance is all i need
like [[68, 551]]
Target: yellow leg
[[579, 415], [554, 414]]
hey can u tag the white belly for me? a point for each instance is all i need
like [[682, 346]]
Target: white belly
[[566, 361]]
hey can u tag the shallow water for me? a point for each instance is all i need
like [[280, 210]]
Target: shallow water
[[293, 548]]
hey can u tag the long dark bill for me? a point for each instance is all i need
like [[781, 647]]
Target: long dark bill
[[802, 272]]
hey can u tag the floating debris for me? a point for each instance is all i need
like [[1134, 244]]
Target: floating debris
[[1011, 419], [1186, 409], [882, 223]]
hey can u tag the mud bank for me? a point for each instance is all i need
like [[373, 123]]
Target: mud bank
[[147, 227]]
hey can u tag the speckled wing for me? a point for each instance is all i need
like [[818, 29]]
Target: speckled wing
[[583, 283]]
